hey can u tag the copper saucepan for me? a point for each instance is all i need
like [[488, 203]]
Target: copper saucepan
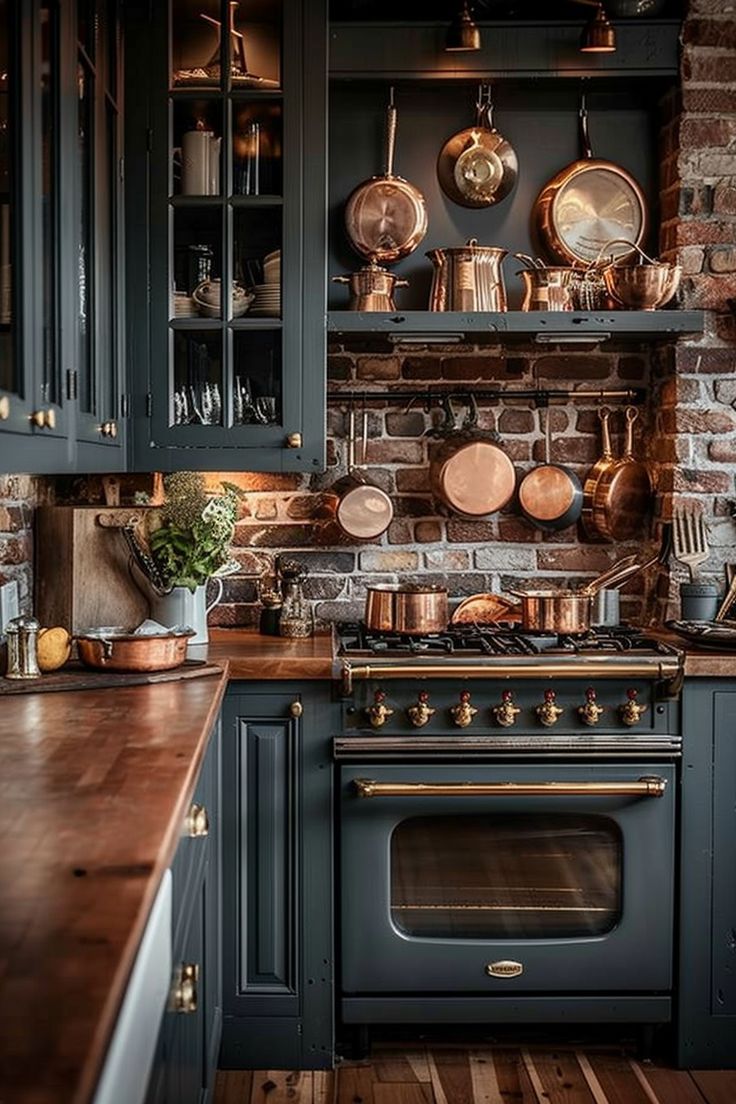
[[363, 510], [386, 216], [469, 471], [410, 609], [120, 649]]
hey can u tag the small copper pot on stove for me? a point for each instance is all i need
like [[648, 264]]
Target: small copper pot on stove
[[413, 610]]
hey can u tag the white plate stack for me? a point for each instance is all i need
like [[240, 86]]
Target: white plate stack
[[267, 302]]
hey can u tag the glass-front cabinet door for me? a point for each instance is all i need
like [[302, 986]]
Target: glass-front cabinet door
[[236, 199]]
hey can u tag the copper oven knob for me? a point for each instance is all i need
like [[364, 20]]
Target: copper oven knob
[[379, 712], [631, 711], [421, 713], [463, 713], [590, 713], [506, 713], [549, 712]]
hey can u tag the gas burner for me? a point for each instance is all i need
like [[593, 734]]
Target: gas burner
[[355, 639]]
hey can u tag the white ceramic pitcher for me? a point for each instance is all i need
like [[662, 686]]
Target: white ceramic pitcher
[[181, 606], [200, 163]]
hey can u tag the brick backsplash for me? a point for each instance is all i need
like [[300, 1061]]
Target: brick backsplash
[[687, 426]]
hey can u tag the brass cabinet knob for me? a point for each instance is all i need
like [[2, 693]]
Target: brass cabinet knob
[[463, 713], [197, 821], [38, 418], [294, 440], [184, 990], [631, 711], [51, 419], [506, 713], [549, 712], [296, 709], [4, 408], [421, 713], [108, 429], [379, 712], [590, 713]]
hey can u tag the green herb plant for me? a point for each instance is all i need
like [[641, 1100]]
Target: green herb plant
[[190, 541]]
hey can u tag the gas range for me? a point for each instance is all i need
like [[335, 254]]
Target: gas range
[[497, 690]]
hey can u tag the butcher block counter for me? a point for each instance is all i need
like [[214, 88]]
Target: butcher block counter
[[252, 656], [94, 787]]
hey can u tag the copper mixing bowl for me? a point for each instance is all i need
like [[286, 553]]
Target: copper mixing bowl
[[643, 286]]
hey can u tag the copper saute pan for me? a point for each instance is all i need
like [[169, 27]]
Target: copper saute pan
[[120, 649], [571, 611], [409, 609], [588, 203]]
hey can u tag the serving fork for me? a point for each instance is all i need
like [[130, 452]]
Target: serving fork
[[690, 539]]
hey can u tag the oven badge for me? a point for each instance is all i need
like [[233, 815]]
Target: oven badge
[[506, 968]]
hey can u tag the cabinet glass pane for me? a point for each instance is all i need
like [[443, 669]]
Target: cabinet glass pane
[[87, 26], [197, 391], [8, 369], [257, 259], [197, 262], [257, 143], [253, 44], [257, 377], [86, 215], [197, 147], [513, 877], [49, 177]]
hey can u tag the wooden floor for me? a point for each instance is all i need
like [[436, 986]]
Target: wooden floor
[[492, 1075]]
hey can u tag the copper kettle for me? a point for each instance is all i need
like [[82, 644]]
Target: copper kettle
[[468, 278], [371, 288]]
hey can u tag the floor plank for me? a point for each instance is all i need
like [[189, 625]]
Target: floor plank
[[282, 1087], [668, 1086], [397, 1067], [450, 1075], [617, 1079], [233, 1086], [324, 1086], [717, 1086], [355, 1084], [402, 1092], [561, 1077], [513, 1079], [483, 1078]]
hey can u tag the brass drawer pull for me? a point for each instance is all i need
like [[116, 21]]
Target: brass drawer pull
[[294, 440], [184, 991], [644, 787], [4, 408], [196, 822]]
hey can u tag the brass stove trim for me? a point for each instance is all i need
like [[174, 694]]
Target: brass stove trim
[[646, 786]]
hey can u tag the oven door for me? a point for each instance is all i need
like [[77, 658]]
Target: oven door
[[507, 878]]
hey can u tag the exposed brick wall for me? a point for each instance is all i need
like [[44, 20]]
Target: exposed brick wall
[[19, 495], [697, 417]]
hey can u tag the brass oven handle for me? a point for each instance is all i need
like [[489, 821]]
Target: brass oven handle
[[645, 787]]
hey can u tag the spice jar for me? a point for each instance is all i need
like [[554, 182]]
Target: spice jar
[[297, 619], [22, 634], [270, 621]]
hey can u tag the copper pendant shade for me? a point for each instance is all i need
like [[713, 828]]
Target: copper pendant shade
[[599, 36], [463, 33]]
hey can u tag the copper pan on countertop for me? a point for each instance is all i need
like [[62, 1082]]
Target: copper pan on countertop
[[120, 649]]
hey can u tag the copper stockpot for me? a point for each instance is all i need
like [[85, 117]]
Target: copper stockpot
[[119, 649], [467, 278], [410, 609]]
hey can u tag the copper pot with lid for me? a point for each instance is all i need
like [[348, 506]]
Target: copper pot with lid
[[469, 471], [468, 278], [371, 288]]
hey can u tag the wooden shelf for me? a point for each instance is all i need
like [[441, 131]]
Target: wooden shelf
[[216, 201], [544, 327]]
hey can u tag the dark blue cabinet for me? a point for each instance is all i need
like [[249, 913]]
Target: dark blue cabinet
[[277, 895], [189, 1040], [706, 1012]]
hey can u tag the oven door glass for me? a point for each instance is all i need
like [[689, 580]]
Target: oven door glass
[[486, 876], [452, 875]]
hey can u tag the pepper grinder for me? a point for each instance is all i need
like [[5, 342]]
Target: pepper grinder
[[22, 634]]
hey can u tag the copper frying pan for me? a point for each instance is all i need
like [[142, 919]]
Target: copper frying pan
[[550, 495], [477, 167], [588, 203], [470, 472], [386, 216], [617, 502]]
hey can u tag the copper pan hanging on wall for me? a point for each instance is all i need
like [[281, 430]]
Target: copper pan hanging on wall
[[588, 203], [478, 167], [386, 216]]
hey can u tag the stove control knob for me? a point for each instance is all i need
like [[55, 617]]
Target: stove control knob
[[506, 713], [590, 713], [631, 711], [463, 713], [379, 712], [421, 713], [549, 712]]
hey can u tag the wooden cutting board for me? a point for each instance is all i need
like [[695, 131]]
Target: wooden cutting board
[[75, 676]]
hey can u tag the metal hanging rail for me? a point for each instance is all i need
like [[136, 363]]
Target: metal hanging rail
[[429, 396]]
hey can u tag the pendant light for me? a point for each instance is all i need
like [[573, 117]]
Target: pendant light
[[599, 36], [463, 33]]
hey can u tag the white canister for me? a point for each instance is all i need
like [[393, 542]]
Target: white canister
[[200, 163], [181, 606]]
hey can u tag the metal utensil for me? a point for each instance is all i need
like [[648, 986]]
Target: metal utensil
[[617, 503], [690, 540], [478, 167]]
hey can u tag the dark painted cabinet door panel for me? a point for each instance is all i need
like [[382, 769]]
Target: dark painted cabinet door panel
[[706, 1028], [231, 129], [277, 927]]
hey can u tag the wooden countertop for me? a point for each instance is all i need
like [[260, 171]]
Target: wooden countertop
[[252, 656], [94, 786]]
